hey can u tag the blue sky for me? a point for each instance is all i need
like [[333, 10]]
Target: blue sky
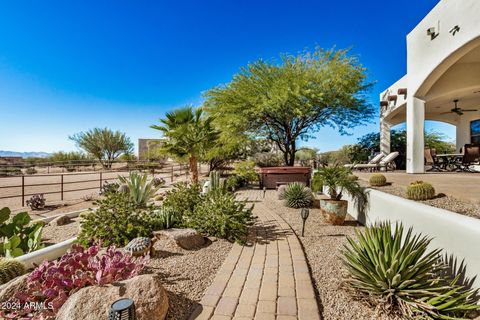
[[69, 66]]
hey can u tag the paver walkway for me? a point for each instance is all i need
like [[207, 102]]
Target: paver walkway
[[268, 279]]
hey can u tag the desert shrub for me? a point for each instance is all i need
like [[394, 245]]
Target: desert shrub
[[10, 171], [108, 188], [400, 275], [10, 269], [52, 282], [140, 190], [165, 218], [267, 159], [183, 197], [297, 195], [377, 180], [234, 182], [117, 220], [158, 182], [281, 192], [420, 190], [88, 197], [220, 215], [31, 170], [316, 183], [36, 202], [18, 235], [246, 170]]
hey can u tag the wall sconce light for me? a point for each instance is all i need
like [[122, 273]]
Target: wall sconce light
[[123, 309], [383, 103], [392, 98], [304, 213], [431, 32], [403, 91]]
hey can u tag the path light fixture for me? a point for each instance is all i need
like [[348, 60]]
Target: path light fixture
[[264, 192], [304, 213], [123, 309]]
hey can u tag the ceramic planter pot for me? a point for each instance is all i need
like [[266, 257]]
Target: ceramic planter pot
[[334, 211]]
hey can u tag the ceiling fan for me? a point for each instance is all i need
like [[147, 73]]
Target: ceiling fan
[[458, 110]]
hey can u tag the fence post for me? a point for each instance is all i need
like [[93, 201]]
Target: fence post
[[23, 191], [101, 180], [61, 190]]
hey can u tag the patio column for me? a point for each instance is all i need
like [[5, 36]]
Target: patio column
[[415, 135], [385, 137]]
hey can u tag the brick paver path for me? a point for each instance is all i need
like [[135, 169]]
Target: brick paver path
[[268, 279]]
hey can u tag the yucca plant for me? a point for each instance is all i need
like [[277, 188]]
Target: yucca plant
[[140, 190], [398, 273], [297, 195]]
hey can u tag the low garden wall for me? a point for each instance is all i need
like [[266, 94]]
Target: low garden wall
[[456, 234]]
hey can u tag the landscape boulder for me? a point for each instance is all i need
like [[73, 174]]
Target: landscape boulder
[[8, 289], [93, 303], [60, 221], [185, 238]]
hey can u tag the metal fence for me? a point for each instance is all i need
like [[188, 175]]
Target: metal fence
[[58, 181]]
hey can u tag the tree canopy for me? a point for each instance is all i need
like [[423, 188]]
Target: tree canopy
[[188, 134], [290, 100], [104, 144]]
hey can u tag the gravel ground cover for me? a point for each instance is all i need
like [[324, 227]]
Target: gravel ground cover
[[441, 201], [323, 244], [186, 274], [56, 234]]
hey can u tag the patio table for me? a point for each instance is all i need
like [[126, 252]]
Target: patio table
[[449, 160]]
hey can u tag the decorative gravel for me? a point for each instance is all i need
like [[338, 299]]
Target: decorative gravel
[[322, 244], [56, 234], [441, 201], [186, 274]]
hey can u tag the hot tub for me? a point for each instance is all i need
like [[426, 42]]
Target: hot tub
[[272, 177]]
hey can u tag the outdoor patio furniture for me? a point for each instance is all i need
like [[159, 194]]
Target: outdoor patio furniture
[[431, 159], [449, 161], [471, 157], [386, 163], [374, 160]]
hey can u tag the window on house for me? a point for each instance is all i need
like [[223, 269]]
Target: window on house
[[475, 131]]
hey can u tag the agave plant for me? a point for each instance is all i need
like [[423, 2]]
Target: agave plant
[[297, 195], [141, 191], [400, 274]]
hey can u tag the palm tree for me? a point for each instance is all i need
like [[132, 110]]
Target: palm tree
[[189, 134]]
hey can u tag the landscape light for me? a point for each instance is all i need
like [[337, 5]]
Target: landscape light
[[304, 213], [264, 191], [123, 309]]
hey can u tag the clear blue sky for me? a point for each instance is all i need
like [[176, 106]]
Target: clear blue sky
[[69, 66]]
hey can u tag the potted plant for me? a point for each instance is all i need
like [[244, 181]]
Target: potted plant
[[337, 181]]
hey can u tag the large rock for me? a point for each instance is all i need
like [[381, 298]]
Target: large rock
[[93, 303], [185, 238], [60, 221], [8, 289]]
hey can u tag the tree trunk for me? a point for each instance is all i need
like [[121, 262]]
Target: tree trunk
[[194, 168], [289, 153]]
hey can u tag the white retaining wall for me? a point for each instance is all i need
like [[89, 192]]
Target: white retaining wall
[[456, 234]]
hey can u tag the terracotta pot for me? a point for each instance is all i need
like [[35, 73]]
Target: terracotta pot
[[334, 211]]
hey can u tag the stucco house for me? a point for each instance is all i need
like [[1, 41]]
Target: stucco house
[[443, 66]]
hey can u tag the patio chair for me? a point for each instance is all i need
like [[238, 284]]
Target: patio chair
[[471, 157], [374, 160], [431, 160], [386, 163]]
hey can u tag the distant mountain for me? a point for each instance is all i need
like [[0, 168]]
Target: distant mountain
[[24, 154]]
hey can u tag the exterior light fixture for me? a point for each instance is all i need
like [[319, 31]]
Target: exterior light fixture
[[392, 97], [454, 30], [304, 213], [264, 191], [383, 103], [403, 91], [431, 32], [123, 309]]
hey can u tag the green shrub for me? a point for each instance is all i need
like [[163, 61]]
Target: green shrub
[[420, 190], [220, 215], [246, 170], [267, 159], [117, 220], [297, 195], [10, 171], [108, 188], [10, 269], [317, 185], [165, 218], [31, 170], [400, 275], [234, 182], [183, 198], [140, 190], [18, 235], [377, 180]]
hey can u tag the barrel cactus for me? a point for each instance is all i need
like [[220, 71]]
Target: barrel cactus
[[420, 190], [10, 269], [297, 195], [353, 177], [377, 180]]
